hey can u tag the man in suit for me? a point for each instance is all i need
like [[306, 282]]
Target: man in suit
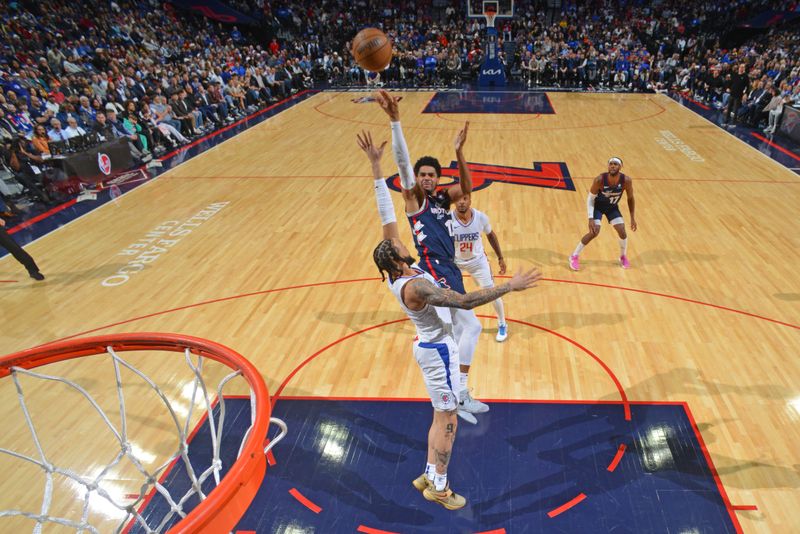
[[8, 243]]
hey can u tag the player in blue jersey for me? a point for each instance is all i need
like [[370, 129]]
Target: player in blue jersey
[[428, 212], [427, 305], [603, 199]]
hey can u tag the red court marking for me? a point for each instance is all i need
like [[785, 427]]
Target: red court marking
[[529, 117], [744, 507], [566, 506], [626, 405], [246, 532], [617, 457], [304, 501], [623, 396], [65, 205], [775, 145], [684, 299], [713, 469], [498, 531], [7, 281], [369, 530], [46, 214], [323, 349], [231, 125], [212, 301], [580, 127], [271, 458]]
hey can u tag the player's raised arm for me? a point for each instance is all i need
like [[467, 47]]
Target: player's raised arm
[[382, 196], [412, 194], [631, 203], [464, 186], [423, 292]]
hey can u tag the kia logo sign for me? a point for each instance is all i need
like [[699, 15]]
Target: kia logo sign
[[104, 162], [491, 72]]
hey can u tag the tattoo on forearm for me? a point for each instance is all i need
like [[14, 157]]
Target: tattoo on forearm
[[447, 298]]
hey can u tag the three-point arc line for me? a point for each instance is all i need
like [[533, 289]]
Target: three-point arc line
[[566, 506]]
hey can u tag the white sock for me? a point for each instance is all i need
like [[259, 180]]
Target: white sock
[[440, 481], [501, 312], [578, 249], [623, 246], [464, 378], [430, 471]]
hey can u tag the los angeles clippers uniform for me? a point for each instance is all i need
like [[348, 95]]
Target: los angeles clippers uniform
[[607, 201], [434, 349], [470, 255], [431, 227]]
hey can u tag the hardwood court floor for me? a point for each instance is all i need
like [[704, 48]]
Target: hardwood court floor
[[278, 265]]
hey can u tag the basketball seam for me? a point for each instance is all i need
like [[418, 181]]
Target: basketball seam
[[388, 42]]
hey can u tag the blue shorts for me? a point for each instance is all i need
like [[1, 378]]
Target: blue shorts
[[444, 272], [611, 212]]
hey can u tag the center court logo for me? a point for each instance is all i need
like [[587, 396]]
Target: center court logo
[[550, 175]]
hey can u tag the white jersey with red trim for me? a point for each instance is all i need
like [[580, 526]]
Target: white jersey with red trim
[[432, 323], [467, 237]]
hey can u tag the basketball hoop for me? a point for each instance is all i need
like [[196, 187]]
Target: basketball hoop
[[230, 494], [490, 12]]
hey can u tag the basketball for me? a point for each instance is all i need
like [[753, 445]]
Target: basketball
[[372, 49]]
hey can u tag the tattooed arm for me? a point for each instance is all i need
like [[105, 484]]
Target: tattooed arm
[[422, 292]]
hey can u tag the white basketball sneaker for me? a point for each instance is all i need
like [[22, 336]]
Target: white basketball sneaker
[[466, 416], [468, 404], [502, 332]]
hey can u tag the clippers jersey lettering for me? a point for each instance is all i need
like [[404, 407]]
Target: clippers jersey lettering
[[467, 237], [429, 321], [610, 195]]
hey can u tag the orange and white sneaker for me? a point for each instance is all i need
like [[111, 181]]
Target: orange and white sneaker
[[447, 498], [422, 482]]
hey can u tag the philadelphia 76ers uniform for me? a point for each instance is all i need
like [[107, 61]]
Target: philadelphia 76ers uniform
[[607, 201], [435, 349], [470, 255], [431, 227]]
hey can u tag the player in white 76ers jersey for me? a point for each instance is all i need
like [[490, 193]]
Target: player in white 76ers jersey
[[435, 349], [468, 225]]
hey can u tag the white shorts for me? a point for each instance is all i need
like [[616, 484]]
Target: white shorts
[[478, 267], [440, 370]]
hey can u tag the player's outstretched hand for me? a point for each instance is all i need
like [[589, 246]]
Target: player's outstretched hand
[[461, 138], [522, 281], [374, 153], [503, 267], [388, 104], [634, 226]]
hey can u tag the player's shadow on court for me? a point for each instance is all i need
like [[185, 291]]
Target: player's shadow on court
[[791, 297], [66, 278]]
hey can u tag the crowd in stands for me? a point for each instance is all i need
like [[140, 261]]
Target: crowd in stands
[[138, 69]]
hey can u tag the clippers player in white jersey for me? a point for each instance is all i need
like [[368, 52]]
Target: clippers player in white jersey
[[603, 199], [428, 212], [468, 225], [435, 349]]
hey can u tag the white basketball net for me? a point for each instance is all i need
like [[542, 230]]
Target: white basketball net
[[92, 485], [490, 16]]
